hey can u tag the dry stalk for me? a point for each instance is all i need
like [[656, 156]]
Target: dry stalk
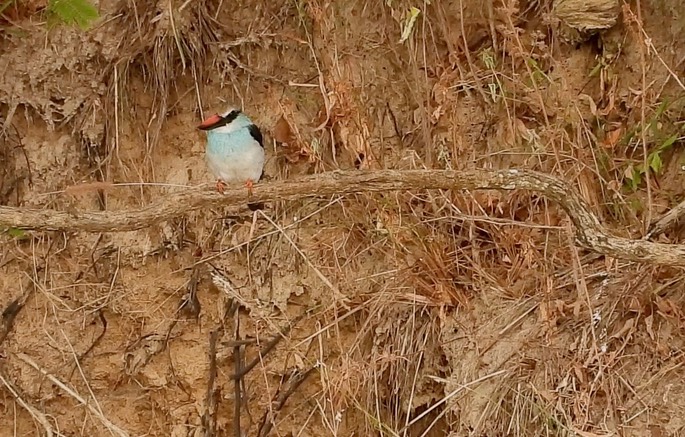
[[281, 397], [209, 415], [237, 380], [12, 310], [33, 411], [451, 395], [270, 345], [667, 221], [590, 233], [114, 429]]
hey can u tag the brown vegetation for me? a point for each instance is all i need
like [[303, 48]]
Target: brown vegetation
[[397, 300]]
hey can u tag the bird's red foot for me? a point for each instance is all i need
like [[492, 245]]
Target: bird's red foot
[[220, 186], [249, 184]]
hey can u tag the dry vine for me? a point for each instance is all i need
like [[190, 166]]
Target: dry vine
[[590, 233]]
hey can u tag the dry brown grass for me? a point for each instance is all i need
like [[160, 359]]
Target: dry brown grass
[[547, 390], [164, 43]]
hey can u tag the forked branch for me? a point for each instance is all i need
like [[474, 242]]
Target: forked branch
[[590, 233]]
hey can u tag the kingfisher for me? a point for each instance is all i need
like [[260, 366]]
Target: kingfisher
[[235, 151]]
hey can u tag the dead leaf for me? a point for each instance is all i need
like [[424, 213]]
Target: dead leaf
[[614, 186], [626, 330], [649, 324], [283, 133], [143, 351], [668, 307], [629, 172], [612, 138], [591, 103]]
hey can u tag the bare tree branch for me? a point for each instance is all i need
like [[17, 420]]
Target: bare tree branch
[[590, 233]]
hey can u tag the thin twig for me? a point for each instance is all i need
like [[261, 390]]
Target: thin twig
[[281, 398], [209, 416], [237, 381], [590, 233], [243, 342], [189, 303], [265, 351], [39, 416], [245, 370], [98, 339], [451, 395], [9, 314], [112, 427]]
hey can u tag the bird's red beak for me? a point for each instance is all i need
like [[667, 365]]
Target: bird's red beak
[[210, 122]]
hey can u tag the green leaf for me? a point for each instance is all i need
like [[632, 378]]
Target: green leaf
[[16, 233], [79, 12], [409, 23], [654, 121], [639, 169], [595, 71], [635, 182], [668, 143], [660, 110], [633, 174], [488, 58], [655, 162]]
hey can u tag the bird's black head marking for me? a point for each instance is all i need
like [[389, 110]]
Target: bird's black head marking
[[221, 120], [230, 116]]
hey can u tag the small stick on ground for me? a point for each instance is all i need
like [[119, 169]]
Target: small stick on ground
[[105, 421], [237, 362], [280, 399], [209, 416], [240, 373], [244, 342], [39, 416], [190, 304], [98, 339], [264, 352], [10, 313]]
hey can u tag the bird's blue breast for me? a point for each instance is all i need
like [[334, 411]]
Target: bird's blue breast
[[229, 143]]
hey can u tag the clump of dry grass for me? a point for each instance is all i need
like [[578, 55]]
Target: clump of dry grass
[[502, 269], [164, 42]]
